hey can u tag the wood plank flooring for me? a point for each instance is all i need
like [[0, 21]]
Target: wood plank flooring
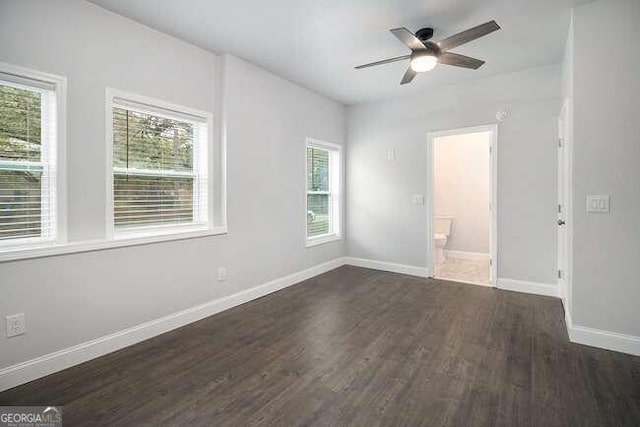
[[356, 347]]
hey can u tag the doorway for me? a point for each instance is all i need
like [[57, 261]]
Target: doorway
[[462, 213]]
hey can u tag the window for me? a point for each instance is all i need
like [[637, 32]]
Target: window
[[323, 192], [29, 150], [159, 167]]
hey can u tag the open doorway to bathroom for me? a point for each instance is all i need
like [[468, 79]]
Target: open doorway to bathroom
[[461, 209]]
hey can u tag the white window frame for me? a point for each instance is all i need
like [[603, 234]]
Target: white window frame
[[53, 156], [335, 191], [203, 200]]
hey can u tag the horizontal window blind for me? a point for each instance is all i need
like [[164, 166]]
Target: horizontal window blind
[[20, 204], [320, 203], [159, 177], [149, 200], [27, 162]]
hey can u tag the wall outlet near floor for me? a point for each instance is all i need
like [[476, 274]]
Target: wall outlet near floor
[[16, 325], [222, 274]]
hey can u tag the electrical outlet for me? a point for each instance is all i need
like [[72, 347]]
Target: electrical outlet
[[222, 274], [16, 325]]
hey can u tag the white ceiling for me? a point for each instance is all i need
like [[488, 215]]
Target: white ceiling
[[316, 43]]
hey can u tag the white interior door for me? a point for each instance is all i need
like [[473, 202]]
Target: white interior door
[[562, 202]]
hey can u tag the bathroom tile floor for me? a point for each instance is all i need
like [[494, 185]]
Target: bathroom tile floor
[[464, 270]]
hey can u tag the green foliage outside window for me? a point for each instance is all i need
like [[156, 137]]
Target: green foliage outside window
[[318, 204], [155, 144], [20, 141]]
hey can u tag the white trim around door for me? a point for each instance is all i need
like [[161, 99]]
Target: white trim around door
[[493, 174], [565, 205]]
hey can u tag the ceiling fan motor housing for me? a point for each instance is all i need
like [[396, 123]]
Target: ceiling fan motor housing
[[424, 34]]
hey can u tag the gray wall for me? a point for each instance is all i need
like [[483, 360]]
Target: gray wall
[[70, 299], [606, 92], [382, 222]]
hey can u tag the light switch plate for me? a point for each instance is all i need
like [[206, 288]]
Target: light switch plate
[[598, 203], [391, 154], [418, 199]]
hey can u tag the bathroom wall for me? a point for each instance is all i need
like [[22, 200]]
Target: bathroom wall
[[462, 189]]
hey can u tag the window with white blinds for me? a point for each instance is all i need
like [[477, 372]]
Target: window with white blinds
[[159, 167], [28, 147], [323, 185]]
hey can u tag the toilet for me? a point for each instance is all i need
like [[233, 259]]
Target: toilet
[[441, 230]]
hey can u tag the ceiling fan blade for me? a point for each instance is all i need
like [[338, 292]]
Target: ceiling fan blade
[[384, 61], [468, 35], [408, 38], [456, 60], [408, 76]]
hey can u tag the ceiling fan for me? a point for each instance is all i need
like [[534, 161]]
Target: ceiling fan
[[426, 54]]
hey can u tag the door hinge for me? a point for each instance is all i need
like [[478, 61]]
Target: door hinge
[[490, 261], [559, 142], [559, 274], [559, 208]]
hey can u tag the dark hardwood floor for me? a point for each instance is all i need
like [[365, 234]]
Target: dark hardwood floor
[[356, 347]]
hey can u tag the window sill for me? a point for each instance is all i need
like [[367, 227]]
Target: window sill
[[320, 240], [15, 254]]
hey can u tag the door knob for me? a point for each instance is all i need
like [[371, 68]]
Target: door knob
[[561, 222]]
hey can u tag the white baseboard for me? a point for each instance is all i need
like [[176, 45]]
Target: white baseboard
[[577, 334], [604, 339], [472, 256], [567, 314], [388, 266], [53, 362], [546, 289], [30, 370], [592, 337]]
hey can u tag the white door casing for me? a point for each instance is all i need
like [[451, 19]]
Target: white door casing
[[493, 195], [564, 202]]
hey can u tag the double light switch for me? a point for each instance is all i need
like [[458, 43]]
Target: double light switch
[[598, 203]]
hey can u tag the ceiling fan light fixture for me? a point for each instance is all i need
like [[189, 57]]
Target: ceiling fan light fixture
[[422, 63], [425, 54]]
